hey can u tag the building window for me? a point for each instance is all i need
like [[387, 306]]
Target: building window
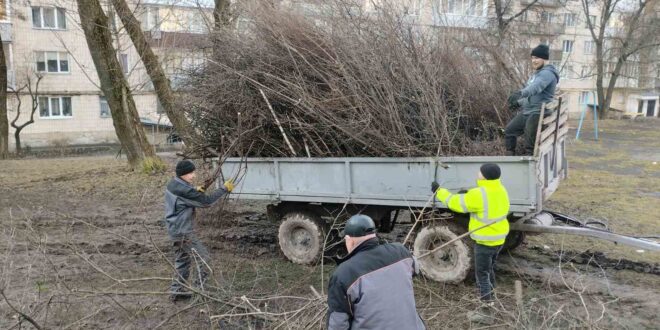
[[105, 108], [567, 46], [547, 17], [123, 61], [54, 62], [49, 18], [592, 18], [570, 19], [589, 47], [150, 19], [55, 107], [585, 71], [458, 7], [159, 108], [585, 97], [566, 72]]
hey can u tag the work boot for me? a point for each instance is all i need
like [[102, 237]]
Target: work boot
[[483, 315], [179, 295]]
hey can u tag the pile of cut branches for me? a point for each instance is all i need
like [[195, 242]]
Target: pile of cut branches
[[345, 84]]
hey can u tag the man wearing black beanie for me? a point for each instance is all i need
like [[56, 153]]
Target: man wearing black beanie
[[488, 206], [181, 200], [540, 89]]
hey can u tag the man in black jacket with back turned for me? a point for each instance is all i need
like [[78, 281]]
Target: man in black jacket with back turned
[[372, 287]]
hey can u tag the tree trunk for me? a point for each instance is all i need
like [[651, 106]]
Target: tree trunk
[[600, 73], [125, 117], [4, 120], [17, 140], [221, 14], [156, 74]]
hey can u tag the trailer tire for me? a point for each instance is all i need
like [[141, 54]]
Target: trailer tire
[[301, 237], [513, 240], [450, 265]]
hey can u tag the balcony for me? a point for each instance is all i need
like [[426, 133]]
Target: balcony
[[538, 28], [545, 3], [460, 21], [184, 40]]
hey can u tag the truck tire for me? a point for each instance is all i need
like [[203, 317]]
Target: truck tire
[[301, 237], [451, 264]]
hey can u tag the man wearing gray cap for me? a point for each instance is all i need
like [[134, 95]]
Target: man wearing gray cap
[[372, 286]]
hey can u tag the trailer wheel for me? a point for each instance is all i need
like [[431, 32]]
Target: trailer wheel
[[301, 237], [451, 264], [513, 240]]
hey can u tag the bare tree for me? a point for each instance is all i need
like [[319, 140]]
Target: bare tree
[[221, 16], [4, 121], [156, 73], [504, 7], [33, 92], [616, 43], [125, 118]]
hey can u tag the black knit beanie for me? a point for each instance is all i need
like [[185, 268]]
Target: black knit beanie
[[490, 171], [184, 167], [541, 51]]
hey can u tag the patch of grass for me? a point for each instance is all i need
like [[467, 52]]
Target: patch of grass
[[153, 165]]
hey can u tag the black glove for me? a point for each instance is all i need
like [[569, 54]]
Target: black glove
[[434, 186], [513, 99]]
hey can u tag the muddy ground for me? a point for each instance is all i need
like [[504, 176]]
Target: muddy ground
[[82, 247]]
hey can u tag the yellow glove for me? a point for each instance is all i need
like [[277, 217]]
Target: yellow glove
[[201, 189], [229, 185]]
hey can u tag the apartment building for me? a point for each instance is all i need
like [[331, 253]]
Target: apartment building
[[561, 24], [42, 38], [44, 42]]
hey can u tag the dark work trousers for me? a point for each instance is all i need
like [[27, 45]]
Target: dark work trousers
[[189, 251], [484, 269], [525, 125]]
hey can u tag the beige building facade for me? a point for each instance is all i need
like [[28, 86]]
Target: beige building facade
[[42, 38], [44, 42]]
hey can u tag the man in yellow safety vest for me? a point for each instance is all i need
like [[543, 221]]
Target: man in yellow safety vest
[[488, 205]]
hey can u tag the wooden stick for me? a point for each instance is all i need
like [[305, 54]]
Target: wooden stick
[[518, 293], [277, 121], [418, 218]]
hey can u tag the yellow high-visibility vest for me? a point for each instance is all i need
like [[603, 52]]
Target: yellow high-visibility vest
[[487, 203]]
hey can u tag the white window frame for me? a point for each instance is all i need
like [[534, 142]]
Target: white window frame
[[586, 69], [589, 47], [572, 20], [103, 100], [59, 62], [58, 26], [584, 96], [592, 18], [50, 110], [462, 7], [567, 46]]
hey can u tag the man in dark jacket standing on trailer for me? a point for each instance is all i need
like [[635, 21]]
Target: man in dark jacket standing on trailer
[[372, 287], [488, 206], [181, 199], [540, 89]]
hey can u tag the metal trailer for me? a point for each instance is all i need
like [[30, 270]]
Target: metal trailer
[[313, 196]]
